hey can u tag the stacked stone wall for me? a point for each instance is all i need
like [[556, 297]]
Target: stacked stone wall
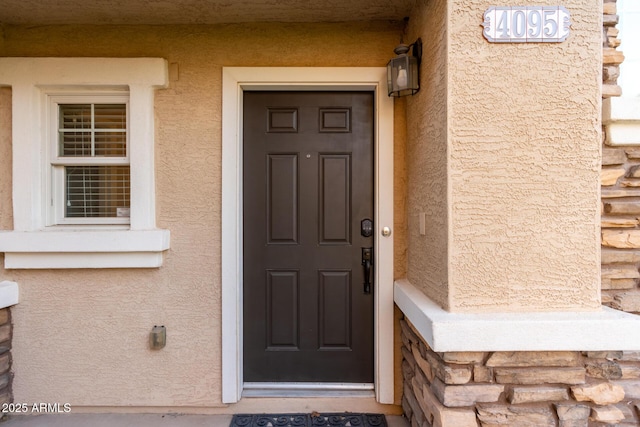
[[611, 56], [6, 377], [537, 389], [620, 180]]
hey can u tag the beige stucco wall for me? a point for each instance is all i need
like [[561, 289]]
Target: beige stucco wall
[[81, 335], [524, 165], [6, 216], [427, 155], [503, 157]]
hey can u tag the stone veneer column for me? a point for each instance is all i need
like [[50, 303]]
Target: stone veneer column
[[611, 57], [6, 377], [541, 389], [620, 180]]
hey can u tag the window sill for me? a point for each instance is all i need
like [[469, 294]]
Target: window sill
[[83, 248], [603, 330]]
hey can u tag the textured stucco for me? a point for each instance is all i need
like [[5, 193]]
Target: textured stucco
[[503, 159], [400, 229], [81, 335], [6, 214], [524, 141], [427, 155]]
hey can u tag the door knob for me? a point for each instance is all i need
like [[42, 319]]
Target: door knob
[[386, 231]]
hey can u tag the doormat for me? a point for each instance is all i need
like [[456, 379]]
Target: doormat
[[314, 419]]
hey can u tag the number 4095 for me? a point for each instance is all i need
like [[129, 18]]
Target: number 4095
[[526, 23]]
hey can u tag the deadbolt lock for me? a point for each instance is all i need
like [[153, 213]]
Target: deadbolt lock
[[366, 227]]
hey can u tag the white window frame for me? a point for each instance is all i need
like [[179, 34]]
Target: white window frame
[[34, 242], [56, 179]]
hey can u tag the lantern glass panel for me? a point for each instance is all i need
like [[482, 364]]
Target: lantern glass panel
[[402, 76]]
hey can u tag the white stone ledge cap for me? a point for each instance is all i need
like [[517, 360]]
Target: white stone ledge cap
[[8, 294], [620, 109], [605, 329], [622, 117]]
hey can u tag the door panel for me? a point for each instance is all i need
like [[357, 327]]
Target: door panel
[[335, 198], [307, 185], [282, 198], [335, 310], [282, 325]]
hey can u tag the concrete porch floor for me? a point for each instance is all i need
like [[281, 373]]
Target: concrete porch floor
[[139, 420]]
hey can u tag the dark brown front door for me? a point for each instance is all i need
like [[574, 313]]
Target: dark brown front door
[[307, 185]]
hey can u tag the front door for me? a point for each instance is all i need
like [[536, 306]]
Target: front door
[[308, 210]]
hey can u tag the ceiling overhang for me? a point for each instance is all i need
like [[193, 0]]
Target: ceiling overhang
[[189, 12]]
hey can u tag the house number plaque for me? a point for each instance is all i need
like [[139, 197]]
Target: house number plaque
[[526, 24]]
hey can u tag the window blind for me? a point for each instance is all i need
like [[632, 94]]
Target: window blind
[[94, 132], [97, 191]]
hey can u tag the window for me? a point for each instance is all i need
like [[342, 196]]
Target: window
[[83, 163], [90, 160]]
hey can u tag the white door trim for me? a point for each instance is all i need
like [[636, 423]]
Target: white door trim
[[234, 81]]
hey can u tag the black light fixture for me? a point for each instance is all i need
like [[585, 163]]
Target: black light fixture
[[403, 71]]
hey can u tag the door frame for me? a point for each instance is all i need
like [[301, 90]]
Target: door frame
[[235, 80]]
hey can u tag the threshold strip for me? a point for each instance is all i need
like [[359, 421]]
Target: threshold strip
[[301, 389]]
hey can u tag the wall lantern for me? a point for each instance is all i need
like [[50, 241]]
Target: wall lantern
[[403, 71]]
